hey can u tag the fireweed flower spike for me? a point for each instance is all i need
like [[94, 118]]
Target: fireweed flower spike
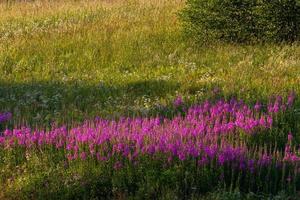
[[291, 99], [257, 106]]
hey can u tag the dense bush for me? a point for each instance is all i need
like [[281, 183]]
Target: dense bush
[[243, 20]]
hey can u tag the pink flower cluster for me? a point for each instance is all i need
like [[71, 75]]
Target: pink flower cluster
[[209, 132]]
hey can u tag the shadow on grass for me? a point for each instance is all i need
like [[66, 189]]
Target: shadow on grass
[[45, 101]]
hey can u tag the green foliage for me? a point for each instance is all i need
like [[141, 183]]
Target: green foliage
[[39, 178], [243, 20]]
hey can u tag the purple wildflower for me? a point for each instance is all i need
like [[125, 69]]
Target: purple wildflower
[[178, 101], [5, 117]]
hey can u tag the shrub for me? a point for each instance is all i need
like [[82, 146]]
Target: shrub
[[242, 21], [281, 20]]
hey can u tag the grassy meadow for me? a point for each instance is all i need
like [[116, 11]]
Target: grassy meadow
[[71, 60], [66, 61]]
